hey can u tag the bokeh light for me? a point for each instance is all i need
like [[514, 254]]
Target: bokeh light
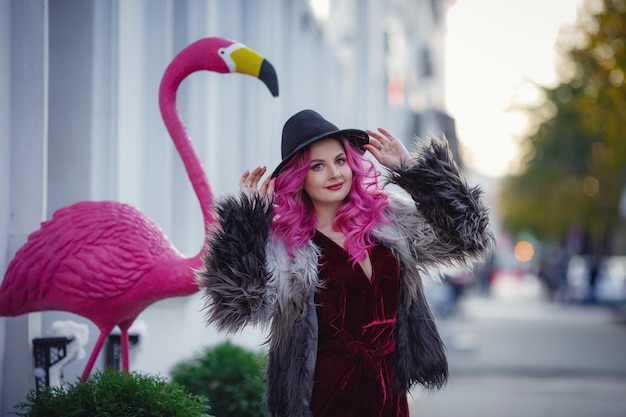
[[523, 251]]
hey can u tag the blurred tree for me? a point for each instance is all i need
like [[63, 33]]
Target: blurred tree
[[575, 160]]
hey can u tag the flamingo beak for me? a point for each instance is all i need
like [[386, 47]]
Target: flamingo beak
[[249, 62]]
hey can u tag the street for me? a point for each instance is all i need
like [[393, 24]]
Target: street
[[514, 354]]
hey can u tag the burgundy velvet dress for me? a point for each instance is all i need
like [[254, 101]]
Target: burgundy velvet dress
[[354, 374]]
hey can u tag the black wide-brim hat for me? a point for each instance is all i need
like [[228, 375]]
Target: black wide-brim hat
[[308, 126]]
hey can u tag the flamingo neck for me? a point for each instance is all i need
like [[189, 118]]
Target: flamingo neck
[[167, 101]]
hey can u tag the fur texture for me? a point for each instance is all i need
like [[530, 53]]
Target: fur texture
[[234, 277], [420, 352], [291, 368], [453, 209]]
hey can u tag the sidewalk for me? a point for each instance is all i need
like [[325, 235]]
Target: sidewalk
[[516, 355]]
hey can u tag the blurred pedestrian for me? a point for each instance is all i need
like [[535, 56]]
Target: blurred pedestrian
[[331, 260], [457, 282], [594, 273]]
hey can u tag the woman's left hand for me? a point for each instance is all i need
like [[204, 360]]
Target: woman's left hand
[[388, 150]]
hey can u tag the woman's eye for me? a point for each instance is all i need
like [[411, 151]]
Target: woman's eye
[[341, 161], [316, 167]]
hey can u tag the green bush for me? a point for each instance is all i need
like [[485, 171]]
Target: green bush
[[229, 376], [114, 394]]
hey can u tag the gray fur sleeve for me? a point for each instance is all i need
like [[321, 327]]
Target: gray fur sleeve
[[233, 276], [454, 213]]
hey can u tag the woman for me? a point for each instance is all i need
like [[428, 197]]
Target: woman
[[331, 261]]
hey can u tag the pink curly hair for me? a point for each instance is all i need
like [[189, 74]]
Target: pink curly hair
[[295, 219]]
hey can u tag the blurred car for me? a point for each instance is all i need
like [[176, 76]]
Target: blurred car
[[611, 281]]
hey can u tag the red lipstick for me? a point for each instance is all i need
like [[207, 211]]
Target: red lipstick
[[335, 187]]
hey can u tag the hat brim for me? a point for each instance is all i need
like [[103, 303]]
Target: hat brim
[[356, 137]]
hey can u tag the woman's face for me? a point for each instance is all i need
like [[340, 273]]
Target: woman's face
[[329, 176]]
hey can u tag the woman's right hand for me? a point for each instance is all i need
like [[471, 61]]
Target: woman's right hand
[[249, 183]]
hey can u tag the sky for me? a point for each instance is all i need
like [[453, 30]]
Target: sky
[[493, 49]]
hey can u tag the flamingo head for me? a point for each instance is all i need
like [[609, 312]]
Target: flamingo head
[[224, 56]]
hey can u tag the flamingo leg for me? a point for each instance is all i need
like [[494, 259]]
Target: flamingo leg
[[125, 349], [94, 354]]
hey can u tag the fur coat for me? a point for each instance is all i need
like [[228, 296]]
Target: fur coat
[[248, 278]]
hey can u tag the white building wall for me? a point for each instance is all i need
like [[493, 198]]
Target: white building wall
[[5, 160], [26, 73], [106, 139]]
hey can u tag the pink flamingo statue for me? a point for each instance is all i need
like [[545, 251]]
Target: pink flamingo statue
[[107, 261]]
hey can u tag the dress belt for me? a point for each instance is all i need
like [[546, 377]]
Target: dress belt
[[368, 354]]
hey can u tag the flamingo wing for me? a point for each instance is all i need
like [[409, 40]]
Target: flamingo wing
[[89, 250]]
